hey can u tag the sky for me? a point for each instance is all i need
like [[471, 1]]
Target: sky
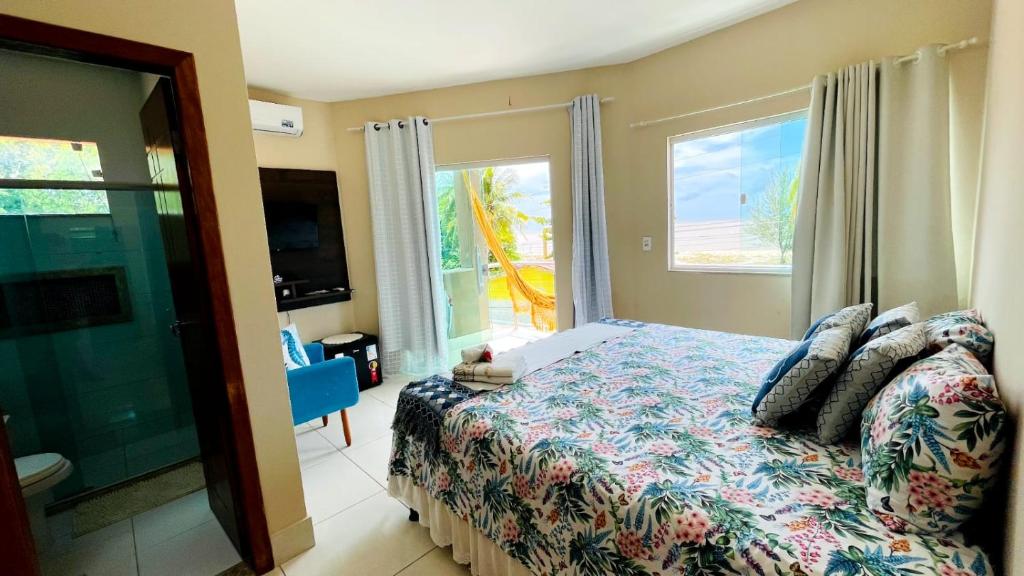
[[710, 173]]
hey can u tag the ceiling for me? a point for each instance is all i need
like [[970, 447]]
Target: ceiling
[[333, 50]]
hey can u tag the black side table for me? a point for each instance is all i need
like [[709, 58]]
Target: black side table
[[363, 349]]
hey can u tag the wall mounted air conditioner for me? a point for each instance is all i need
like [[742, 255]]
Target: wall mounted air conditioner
[[271, 118]]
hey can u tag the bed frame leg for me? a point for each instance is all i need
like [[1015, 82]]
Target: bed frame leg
[[414, 516]]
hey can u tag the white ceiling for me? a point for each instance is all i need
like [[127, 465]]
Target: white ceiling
[[333, 50]]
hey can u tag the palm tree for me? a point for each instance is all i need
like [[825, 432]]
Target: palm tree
[[498, 194]]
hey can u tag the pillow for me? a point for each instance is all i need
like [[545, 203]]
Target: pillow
[[291, 347], [931, 446], [867, 371], [793, 380], [965, 328], [856, 317], [890, 321], [953, 360]]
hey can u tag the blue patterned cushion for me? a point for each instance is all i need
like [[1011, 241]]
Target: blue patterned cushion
[[793, 380], [868, 370], [856, 317], [890, 321], [291, 347]]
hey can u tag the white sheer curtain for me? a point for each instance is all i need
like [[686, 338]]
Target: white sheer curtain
[[591, 277], [407, 246], [873, 222], [833, 246]]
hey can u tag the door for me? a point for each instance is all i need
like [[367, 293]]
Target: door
[[193, 325]]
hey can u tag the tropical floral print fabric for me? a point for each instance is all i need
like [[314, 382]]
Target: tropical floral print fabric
[[932, 443], [964, 327], [639, 457]]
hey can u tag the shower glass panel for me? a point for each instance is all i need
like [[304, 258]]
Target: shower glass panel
[[90, 368]]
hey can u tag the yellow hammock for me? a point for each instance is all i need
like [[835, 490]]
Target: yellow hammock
[[524, 297]]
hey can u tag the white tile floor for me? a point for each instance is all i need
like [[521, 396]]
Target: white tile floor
[[359, 529], [180, 537]]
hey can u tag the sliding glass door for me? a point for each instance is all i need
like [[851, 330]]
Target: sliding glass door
[[497, 252]]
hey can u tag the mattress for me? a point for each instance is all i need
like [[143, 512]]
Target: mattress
[[638, 456]]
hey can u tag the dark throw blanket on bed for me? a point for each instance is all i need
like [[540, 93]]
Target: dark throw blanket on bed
[[422, 406]]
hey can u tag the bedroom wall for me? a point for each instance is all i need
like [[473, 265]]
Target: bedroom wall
[[209, 30], [998, 276], [314, 150], [772, 52]]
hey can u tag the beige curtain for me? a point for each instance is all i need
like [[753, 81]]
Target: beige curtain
[[916, 260], [874, 219], [833, 247]]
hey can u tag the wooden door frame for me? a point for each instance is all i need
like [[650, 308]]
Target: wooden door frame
[[52, 40]]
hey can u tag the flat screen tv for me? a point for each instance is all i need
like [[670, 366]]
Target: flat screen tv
[[291, 226]]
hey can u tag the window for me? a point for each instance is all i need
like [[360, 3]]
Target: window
[[733, 196], [40, 159]]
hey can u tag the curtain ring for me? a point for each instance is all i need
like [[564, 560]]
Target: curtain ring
[[425, 123], [401, 124], [376, 127]]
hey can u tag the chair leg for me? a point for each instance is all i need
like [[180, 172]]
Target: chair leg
[[324, 418], [344, 426]]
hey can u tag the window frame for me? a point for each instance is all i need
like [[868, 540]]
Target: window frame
[[94, 184], [761, 269]]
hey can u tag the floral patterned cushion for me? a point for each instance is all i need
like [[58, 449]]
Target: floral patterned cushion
[[931, 444], [856, 317], [964, 327], [795, 378], [890, 321], [953, 360], [868, 370]]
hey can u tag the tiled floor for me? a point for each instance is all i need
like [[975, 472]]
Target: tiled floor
[[359, 528], [180, 537]]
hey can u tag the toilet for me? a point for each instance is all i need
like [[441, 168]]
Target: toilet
[[37, 474]]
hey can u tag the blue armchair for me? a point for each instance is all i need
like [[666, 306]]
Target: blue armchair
[[323, 387]]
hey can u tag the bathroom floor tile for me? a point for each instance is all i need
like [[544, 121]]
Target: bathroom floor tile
[[109, 551], [204, 549], [176, 517]]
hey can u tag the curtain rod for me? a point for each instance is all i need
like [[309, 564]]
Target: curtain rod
[[21, 184], [495, 113], [900, 60]]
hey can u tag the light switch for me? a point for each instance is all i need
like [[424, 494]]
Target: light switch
[[645, 243]]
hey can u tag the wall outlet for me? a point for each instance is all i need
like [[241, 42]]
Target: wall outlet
[[645, 243]]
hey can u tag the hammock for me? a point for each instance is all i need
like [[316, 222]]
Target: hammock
[[524, 297]]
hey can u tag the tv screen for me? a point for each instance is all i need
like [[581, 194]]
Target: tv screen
[[291, 226]]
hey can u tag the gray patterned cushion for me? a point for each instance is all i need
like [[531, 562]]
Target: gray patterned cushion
[[891, 321], [792, 381], [869, 369], [856, 317]]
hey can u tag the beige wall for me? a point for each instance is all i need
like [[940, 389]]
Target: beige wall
[[208, 29], [314, 150], [998, 274], [773, 52]]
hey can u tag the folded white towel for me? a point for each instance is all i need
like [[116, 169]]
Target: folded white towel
[[501, 371], [481, 353]]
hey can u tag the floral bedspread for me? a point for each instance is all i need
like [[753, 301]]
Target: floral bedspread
[[639, 457]]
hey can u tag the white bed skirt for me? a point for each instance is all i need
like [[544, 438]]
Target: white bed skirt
[[485, 558]]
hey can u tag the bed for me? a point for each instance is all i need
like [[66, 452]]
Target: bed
[[638, 457]]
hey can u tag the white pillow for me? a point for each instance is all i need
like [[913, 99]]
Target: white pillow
[[291, 347]]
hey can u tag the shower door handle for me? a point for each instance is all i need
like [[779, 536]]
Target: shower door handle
[[177, 325]]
